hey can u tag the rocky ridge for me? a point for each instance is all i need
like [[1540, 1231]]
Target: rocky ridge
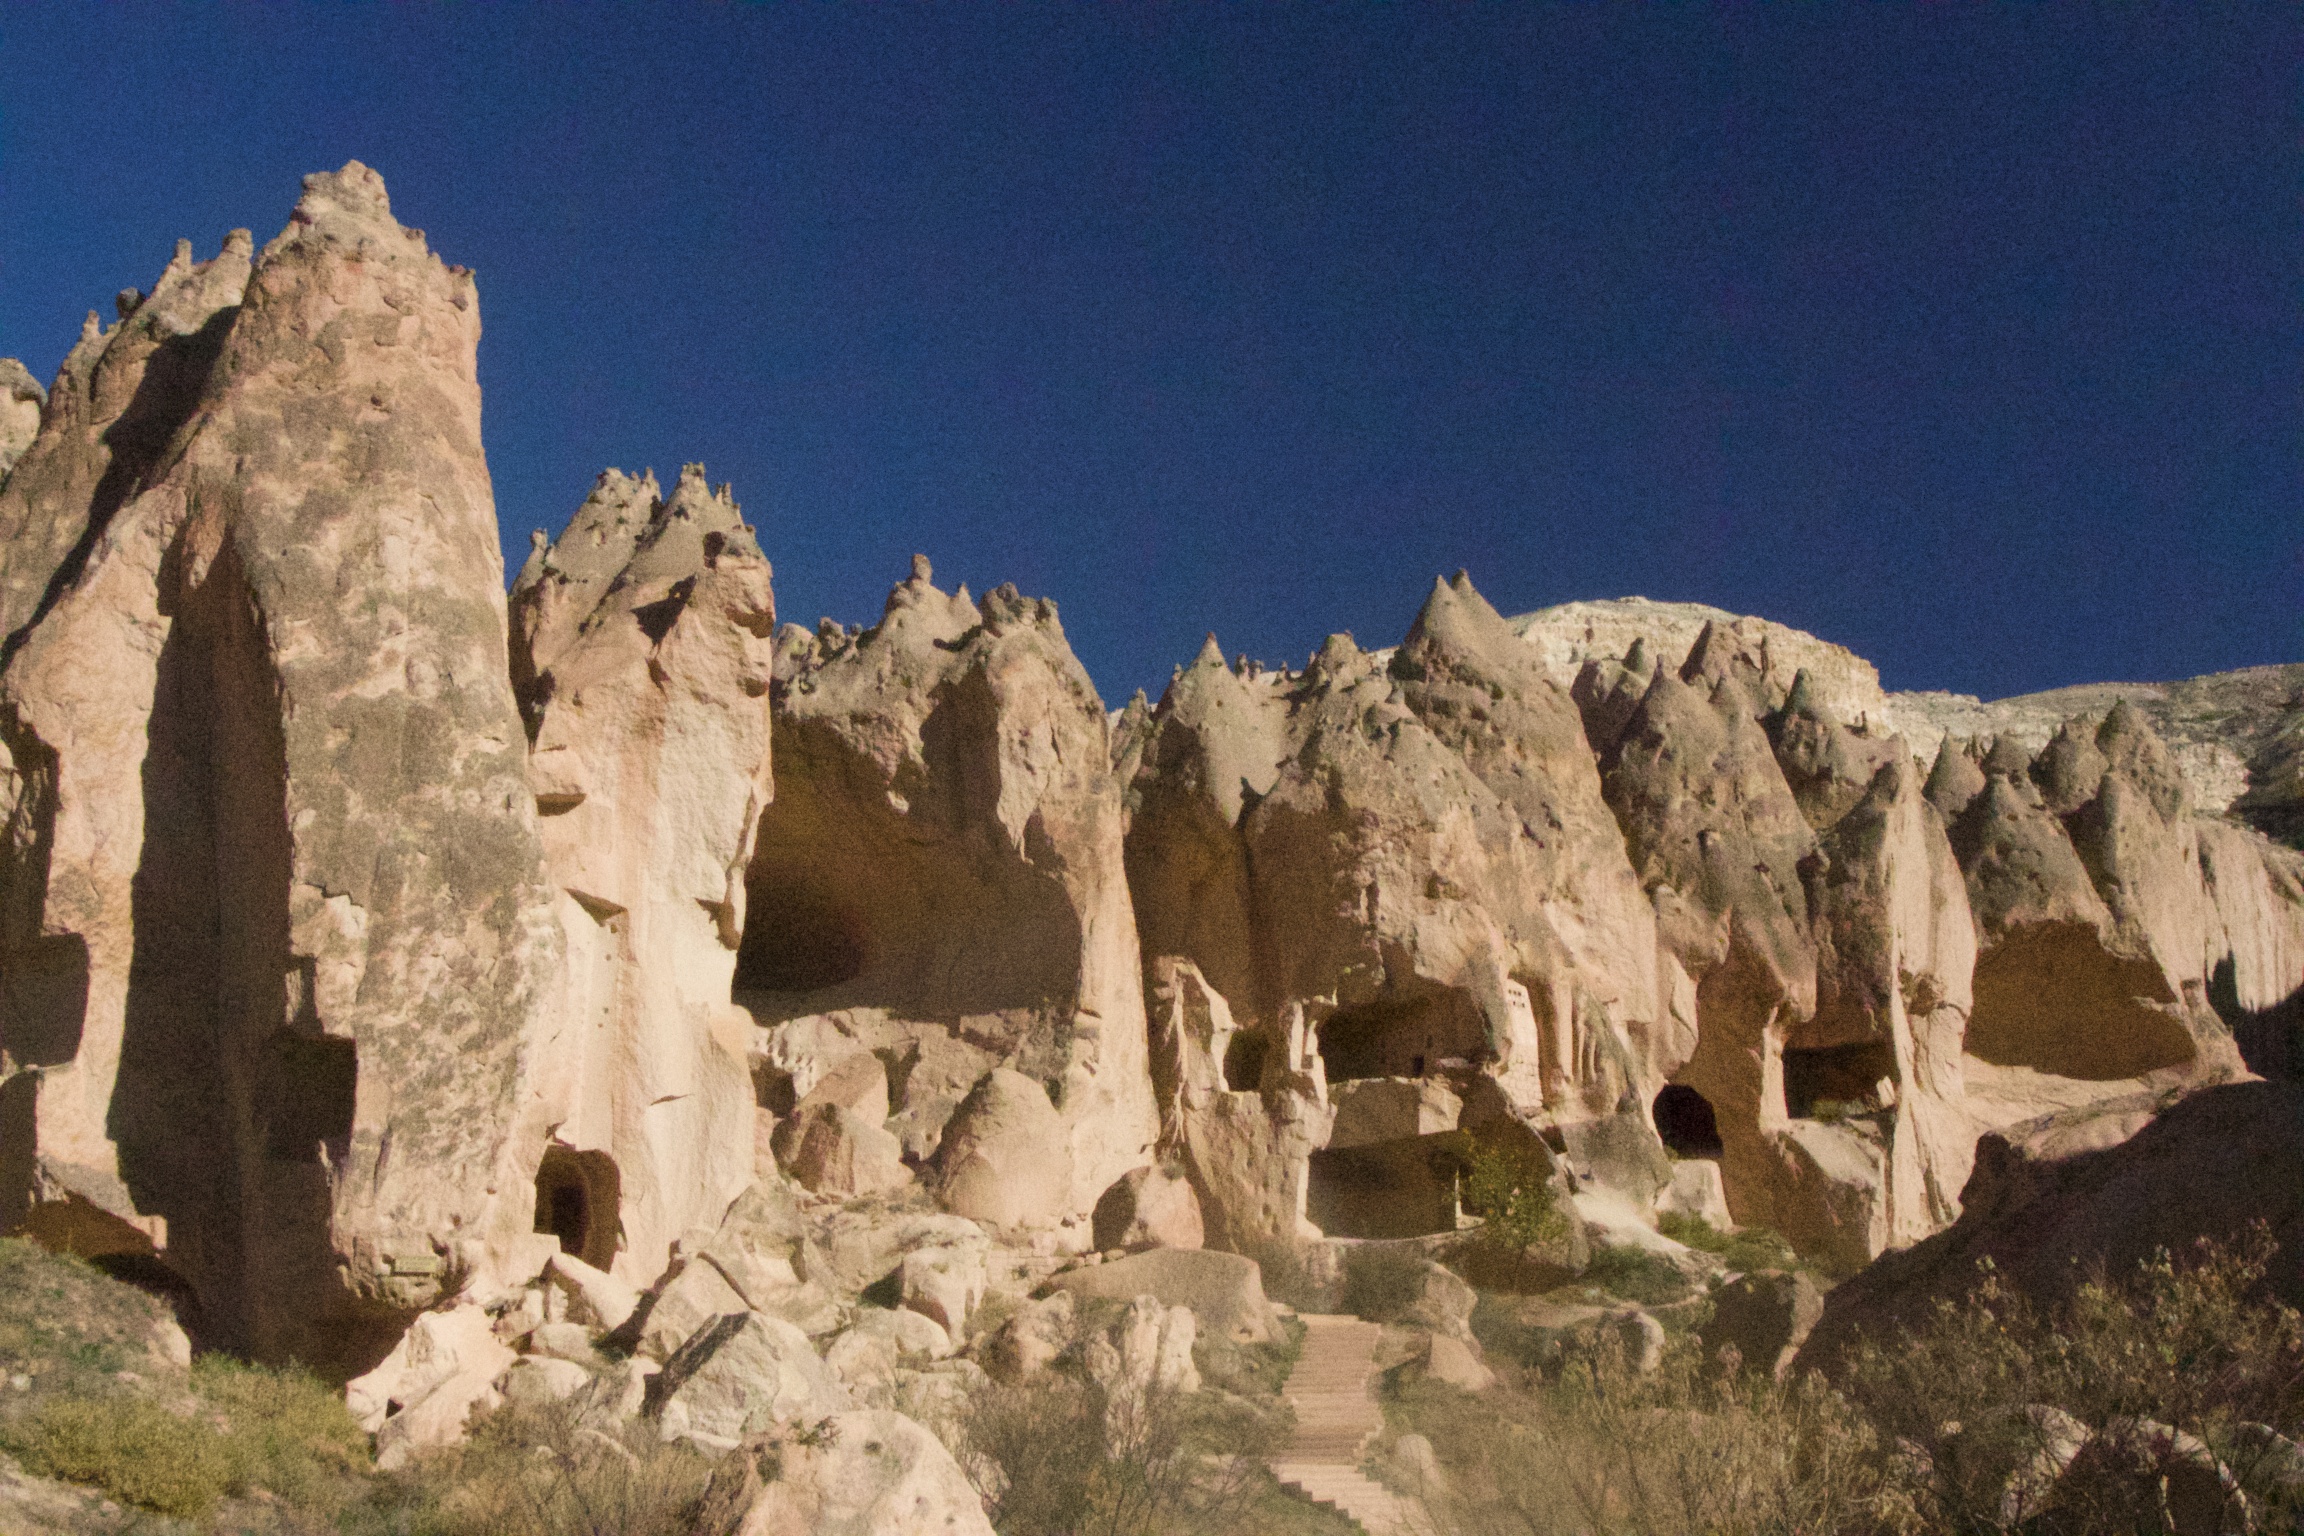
[[442, 985]]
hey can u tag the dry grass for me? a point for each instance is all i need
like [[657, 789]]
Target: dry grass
[[1700, 1448]]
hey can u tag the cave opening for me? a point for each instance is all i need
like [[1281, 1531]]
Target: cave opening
[[307, 1088], [1387, 1189], [799, 938], [577, 1195], [1244, 1057], [1403, 1035], [1833, 1081], [1685, 1122]]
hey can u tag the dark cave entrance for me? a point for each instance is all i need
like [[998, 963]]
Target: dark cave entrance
[[1387, 1189], [1403, 1035], [1685, 1122], [577, 1194], [1828, 1082], [799, 938]]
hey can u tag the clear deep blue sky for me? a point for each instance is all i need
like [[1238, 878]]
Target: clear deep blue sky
[[1967, 337]]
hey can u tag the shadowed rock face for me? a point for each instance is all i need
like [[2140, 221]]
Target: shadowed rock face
[[940, 880], [272, 855], [643, 651], [2106, 1186]]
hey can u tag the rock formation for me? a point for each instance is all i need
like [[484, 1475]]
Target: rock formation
[[614, 969], [1388, 866], [276, 929], [643, 653], [939, 883]]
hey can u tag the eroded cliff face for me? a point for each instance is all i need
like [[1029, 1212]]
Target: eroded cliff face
[[643, 650], [1389, 867], [277, 927], [368, 946], [939, 884]]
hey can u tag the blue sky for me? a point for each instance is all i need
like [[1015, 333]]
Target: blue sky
[[1966, 337]]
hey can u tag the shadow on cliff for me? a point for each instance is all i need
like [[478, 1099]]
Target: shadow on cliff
[[2073, 1200], [230, 1105]]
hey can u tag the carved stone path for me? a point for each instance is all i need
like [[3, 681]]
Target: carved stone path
[[1336, 1417]]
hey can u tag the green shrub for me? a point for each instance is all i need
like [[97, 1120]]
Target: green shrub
[[1511, 1189], [285, 1431], [130, 1447], [1743, 1250], [1380, 1283], [1637, 1275]]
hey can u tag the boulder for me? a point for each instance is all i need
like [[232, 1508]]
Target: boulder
[[442, 1370], [2139, 1474], [1147, 1349], [1629, 1336], [1696, 1191], [1148, 1208], [1765, 1317], [1028, 1342], [534, 1380], [1224, 1290], [1443, 1302], [1455, 1363], [740, 1375], [868, 1473], [2005, 1467], [1005, 1158], [943, 1285], [832, 1150]]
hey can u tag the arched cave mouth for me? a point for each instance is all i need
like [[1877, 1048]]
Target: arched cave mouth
[[856, 899], [1403, 1034], [1244, 1057], [577, 1196], [1833, 1081], [1685, 1122], [1387, 1189]]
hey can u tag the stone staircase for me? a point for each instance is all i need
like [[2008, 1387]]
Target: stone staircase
[[1336, 1417]]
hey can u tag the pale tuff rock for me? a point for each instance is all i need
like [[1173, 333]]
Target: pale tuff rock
[[1149, 1208], [868, 1473], [740, 1374], [21, 399], [1246, 1151], [1436, 887], [120, 398], [443, 1370], [1003, 1160], [1567, 636], [643, 650], [270, 702], [942, 866], [2234, 735], [1224, 1290]]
